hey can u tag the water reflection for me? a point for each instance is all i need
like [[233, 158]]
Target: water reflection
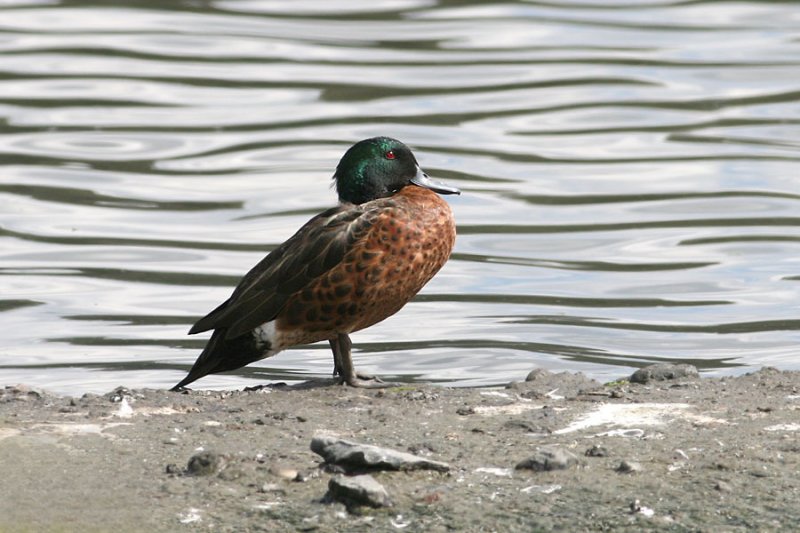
[[629, 176]]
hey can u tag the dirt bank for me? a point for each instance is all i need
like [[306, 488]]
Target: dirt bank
[[685, 454]]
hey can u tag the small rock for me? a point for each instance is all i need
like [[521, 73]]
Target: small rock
[[596, 451], [549, 458], [205, 464], [354, 455], [359, 490], [172, 468], [465, 411], [663, 372], [629, 467]]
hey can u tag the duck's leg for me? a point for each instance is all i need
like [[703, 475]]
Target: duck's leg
[[343, 366]]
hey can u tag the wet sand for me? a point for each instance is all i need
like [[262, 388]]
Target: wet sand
[[558, 452]]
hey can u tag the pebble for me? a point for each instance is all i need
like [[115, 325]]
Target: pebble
[[549, 458], [359, 490], [663, 372], [205, 464]]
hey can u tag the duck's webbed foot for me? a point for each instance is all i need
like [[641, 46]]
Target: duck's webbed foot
[[343, 367]]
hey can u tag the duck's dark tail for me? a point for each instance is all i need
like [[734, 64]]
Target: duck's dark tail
[[221, 354]]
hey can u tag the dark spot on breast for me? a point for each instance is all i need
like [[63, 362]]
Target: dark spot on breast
[[337, 277], [311, 315], [343, 290], [295, 313], [326, 308]]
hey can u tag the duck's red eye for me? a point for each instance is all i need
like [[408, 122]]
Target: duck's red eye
[[390, 155]]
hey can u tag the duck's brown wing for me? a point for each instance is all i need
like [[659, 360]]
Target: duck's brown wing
[[317, 247]]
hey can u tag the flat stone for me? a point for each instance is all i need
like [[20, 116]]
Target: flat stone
[[359, 490], [663, 372], [354, 455], [549, 458]]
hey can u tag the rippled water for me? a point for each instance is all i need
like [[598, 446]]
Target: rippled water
[[630, 172]]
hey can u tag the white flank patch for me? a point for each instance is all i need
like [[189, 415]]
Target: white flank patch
[[265, 333]]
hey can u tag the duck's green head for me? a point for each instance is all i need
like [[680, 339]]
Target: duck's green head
[[379, 167]]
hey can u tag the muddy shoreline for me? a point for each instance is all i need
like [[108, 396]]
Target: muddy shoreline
[[558, 452]]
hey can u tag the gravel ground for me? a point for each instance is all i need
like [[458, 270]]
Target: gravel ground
[[556, 452]]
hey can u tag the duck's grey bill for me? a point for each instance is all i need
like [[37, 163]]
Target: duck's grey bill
[[423, 180]]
